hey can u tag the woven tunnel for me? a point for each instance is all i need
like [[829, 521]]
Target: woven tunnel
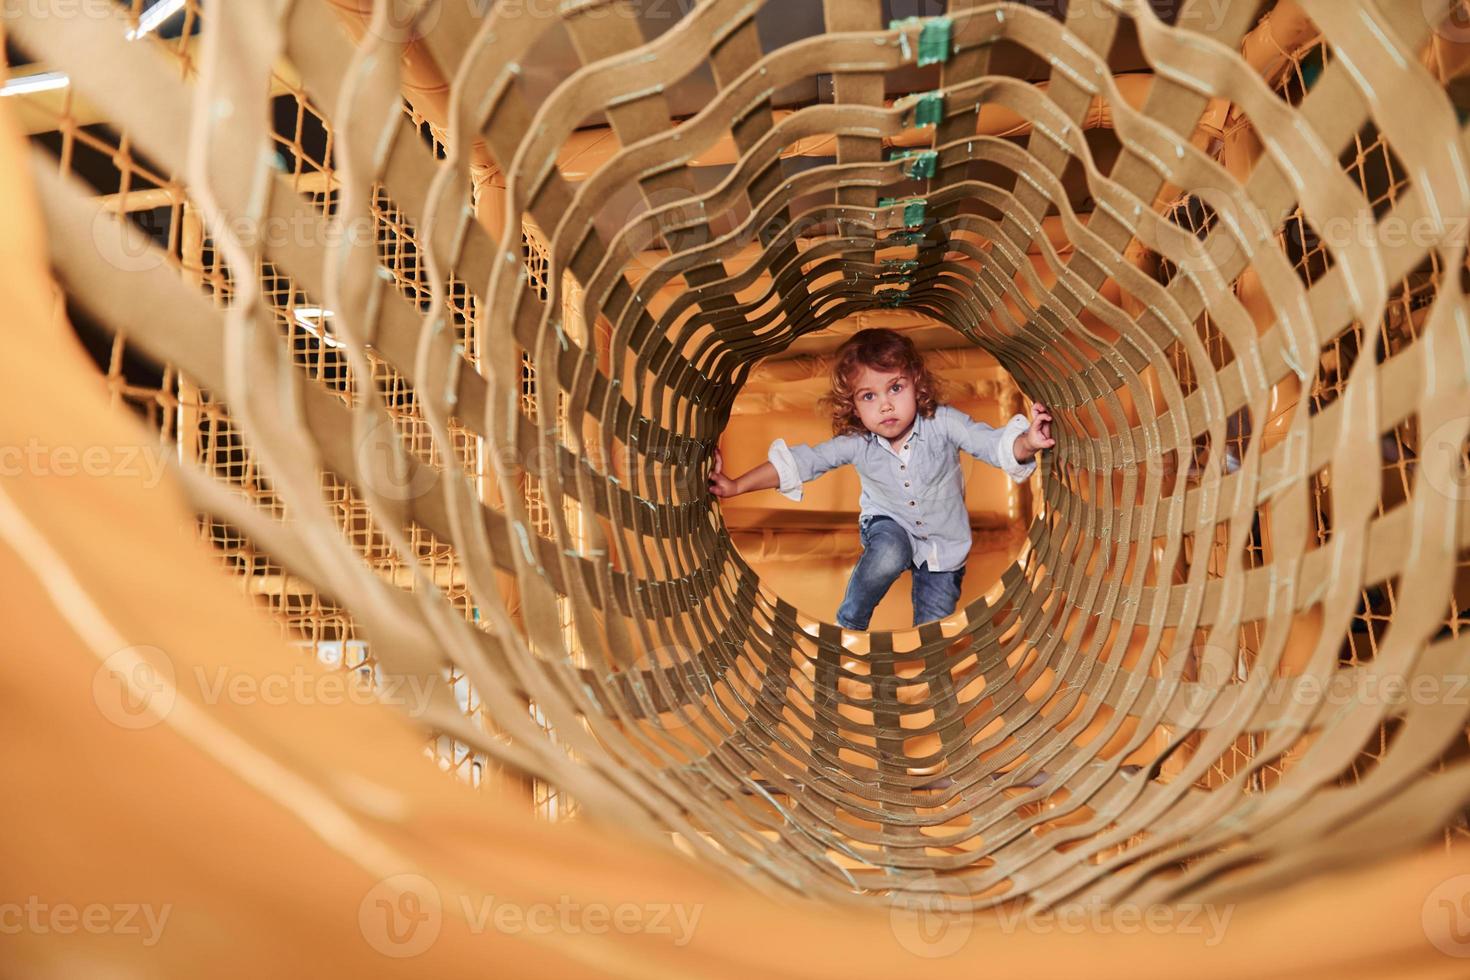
[[443, 310]]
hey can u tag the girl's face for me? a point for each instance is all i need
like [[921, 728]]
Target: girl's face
[[884, 400]]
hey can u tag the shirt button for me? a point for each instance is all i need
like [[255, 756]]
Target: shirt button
[[903, 466], [911, 503], [918, 522], [905, 483]]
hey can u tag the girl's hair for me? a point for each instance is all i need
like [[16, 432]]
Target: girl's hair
[[881, 350]]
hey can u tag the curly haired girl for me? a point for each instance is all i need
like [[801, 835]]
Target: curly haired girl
[[889, 422]]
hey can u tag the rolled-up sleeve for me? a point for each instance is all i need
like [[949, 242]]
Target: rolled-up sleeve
[[801, 463], [989, 444], [781, 458]]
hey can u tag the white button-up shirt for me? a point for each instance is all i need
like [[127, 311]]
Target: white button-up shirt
[[920, 484]]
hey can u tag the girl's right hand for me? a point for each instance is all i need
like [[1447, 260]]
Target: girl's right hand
[[719, 484]]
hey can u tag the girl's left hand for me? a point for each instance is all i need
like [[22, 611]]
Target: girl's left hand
[[721, 485], [1039, 437]]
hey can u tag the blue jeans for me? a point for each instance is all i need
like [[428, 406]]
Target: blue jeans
[[887, 553]]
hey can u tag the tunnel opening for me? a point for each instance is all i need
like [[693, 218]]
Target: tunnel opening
[[805, 550]]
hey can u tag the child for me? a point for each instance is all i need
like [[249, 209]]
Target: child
[[887, 421]]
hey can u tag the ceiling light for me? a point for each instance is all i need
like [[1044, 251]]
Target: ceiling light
[[39, 82], [154, 16], [310, 318]]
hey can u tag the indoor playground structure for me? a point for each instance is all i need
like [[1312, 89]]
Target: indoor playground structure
[[365, 363]]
